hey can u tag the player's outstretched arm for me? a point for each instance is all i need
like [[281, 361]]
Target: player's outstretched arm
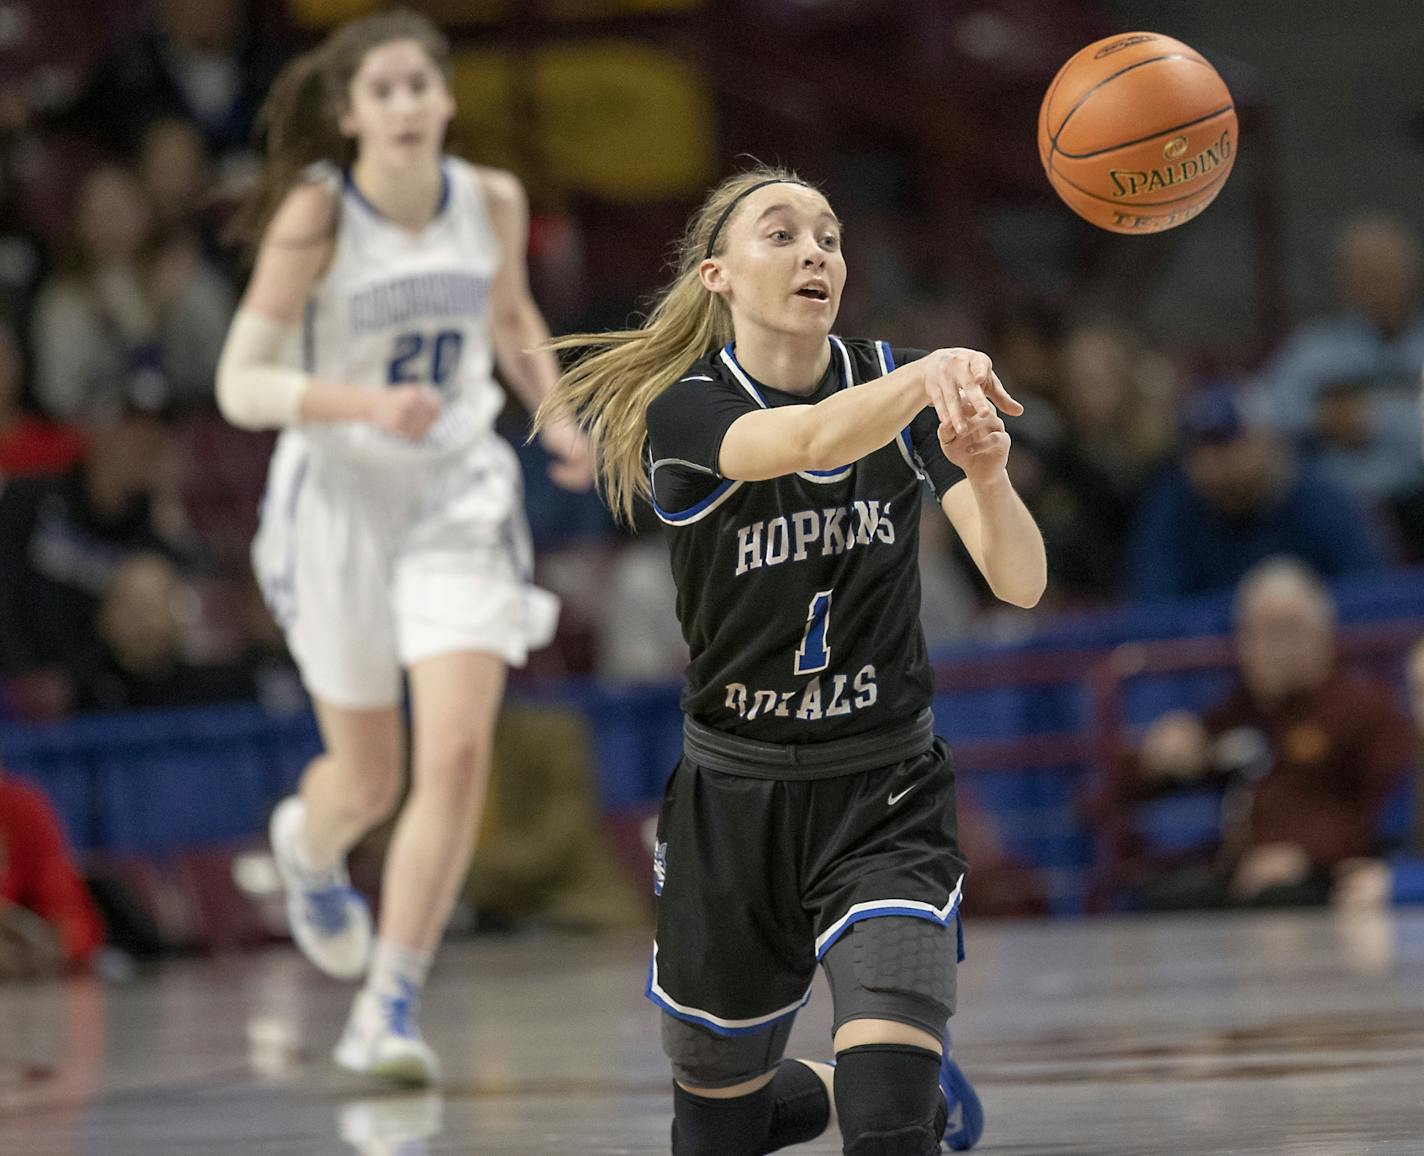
[[848, 425]]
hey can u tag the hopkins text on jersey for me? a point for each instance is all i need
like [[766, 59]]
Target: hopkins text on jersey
[[820, 533]]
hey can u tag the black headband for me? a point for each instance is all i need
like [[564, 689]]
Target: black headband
[[727, 212]]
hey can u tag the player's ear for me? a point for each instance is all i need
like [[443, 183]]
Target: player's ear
[[346, 120], [712, 276]]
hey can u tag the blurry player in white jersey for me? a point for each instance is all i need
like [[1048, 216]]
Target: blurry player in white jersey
[[388, 279]]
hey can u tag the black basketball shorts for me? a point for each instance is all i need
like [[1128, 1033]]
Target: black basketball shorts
[[757, 877]]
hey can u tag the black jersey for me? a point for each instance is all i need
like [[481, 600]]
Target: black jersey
[[799, 596]]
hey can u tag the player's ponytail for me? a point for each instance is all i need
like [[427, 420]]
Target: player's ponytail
[[299, 122], [607, 392]]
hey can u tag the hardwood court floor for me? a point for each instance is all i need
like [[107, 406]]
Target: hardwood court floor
[[1293, 1033]]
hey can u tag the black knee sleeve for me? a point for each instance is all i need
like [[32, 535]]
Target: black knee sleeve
[[889, 1101], [792, 1109], [894, 967], [704, 1059]]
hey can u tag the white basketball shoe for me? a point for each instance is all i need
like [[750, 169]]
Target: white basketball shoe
[[382, 1039], [330, 921]]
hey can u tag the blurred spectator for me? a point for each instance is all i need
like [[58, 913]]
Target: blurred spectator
[[1082, 473], [1348, 385], [28, 444], [62, 537], [175, 172], [1239, 496], [1371, 883], [946, 596], [1414, 675], [199, 63], [1116, 398], [46, 52], [1066, 467], [1307, 755], [1024, 345], [542, 853], [1004, 885], [47, 920], [638, 638], [139, 659], [126, 309], [22, 255]]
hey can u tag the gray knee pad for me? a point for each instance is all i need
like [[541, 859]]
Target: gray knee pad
[[894, 967], [702, 1059]]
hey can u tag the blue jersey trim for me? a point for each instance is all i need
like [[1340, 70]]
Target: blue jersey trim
[[877, 912], [914, 908], [716, 1024], [691, 513], [350, 185], [907, 444], [749, 383]]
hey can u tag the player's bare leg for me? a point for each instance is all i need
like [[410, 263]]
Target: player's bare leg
[[344, 793], [455, 700]]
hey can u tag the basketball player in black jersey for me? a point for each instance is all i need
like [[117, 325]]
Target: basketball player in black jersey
[[811, 818]]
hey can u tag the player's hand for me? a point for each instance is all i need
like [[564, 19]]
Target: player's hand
[[572, 467], [1269, 865], [408, 411], [982, 450], [961, 383], [1362, 885], [1175, 748]]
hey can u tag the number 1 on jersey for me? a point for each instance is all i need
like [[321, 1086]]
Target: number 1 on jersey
[[815, 652]]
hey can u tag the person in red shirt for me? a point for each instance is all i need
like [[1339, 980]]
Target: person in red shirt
[[48, 922], [1307, 753], [29, 445]]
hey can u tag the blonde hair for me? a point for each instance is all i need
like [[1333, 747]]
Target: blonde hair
[[607, 392]]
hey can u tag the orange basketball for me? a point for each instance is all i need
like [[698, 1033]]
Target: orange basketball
[[1137, 133]]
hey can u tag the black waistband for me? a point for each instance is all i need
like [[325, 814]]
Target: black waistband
[[754, 759]]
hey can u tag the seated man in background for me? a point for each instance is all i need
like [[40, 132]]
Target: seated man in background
[[1372, 883], [48, 923], [1308, 756]]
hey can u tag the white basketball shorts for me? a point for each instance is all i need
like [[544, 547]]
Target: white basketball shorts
[[370, 569]]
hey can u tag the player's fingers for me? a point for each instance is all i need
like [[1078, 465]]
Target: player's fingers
[[981, 368], [972, 393], [954, 412], [935, 379], [986, 421], [1002, 398]]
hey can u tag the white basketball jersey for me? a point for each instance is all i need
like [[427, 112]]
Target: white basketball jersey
[[398, 306]]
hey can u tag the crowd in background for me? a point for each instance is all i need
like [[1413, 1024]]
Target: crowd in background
[[125, 495], [127, 506]]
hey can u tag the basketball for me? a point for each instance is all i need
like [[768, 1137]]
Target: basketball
[[1137, 133]]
